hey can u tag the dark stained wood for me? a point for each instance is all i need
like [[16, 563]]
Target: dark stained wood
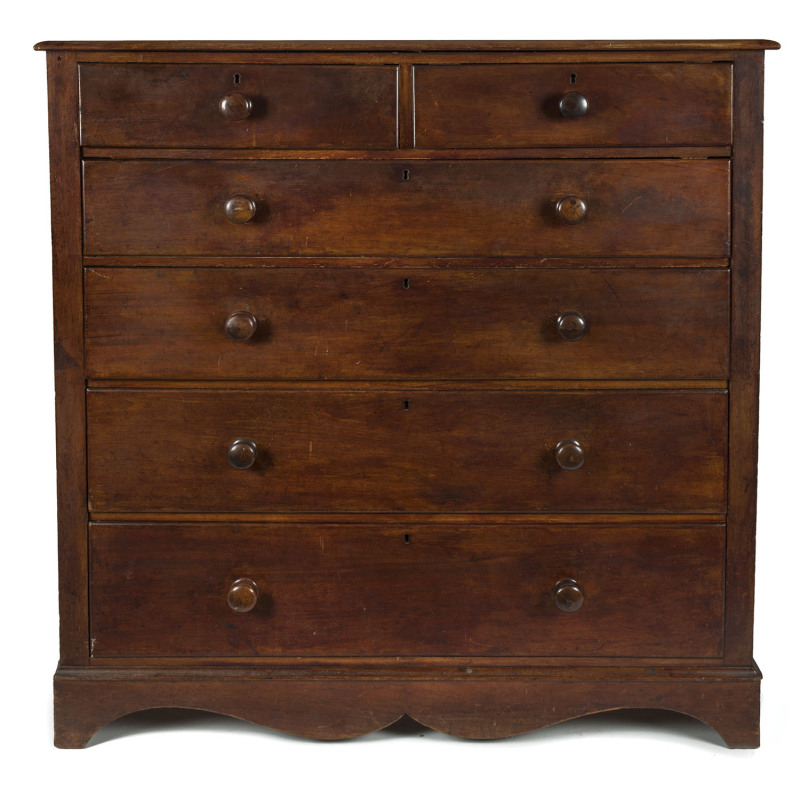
[[235, 106], [405, 442], [489, 451], [400, 262], [408, 58], [569, 454], [573, 105], [745, 355], [357, 324], [571, 209], [472, 518], [242, 453], [568, 596], [361, 666], [240, 209], [292, 106], [483, 706], [65, 191], [409, 384], [240, 326], [483, 106], [243, 595], [652, 45], [434, 590], [454, 154], [405, 106], [659, 208]]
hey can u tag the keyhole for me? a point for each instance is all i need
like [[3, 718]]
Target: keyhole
[[406, 405], [573, 78], [237, 78], [407, 539], [406, 175], [406, 284]]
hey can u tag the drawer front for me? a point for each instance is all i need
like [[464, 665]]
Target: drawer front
[[153, 450], [512, 106], [176, 106], [408, 590], [366, 324], [665, 208]]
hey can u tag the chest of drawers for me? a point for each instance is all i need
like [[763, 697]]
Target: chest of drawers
[[406, 378]]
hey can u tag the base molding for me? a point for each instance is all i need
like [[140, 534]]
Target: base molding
[[482, 704]]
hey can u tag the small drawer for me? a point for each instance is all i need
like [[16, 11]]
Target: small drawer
[[227, 590], [614, 208], [236, 105], [269, 449], [517, 106], [312, 323]]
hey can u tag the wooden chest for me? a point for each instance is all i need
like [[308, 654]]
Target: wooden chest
[[406, 378]]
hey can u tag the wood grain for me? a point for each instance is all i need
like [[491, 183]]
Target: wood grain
[[486, 706], [477, 451], [745, 356], [65, 218], [518, 106], [430, 590], [644, 207], [405, 520], [293, 106], [652, 45], [401, 324]]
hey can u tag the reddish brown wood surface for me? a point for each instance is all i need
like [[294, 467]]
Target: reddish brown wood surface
[[643, 207], [292, 106], [479, 705], [434, 590], [745, 355], [405, 519], [435, 154], [489, 451], [518, 106], [65, 191], [356, 324], [409, 46]]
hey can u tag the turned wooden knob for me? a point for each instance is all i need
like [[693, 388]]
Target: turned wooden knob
[[243, 595], [242, 453], [568, 595], [235, 106], [241, 325], [573, 105], [240, 209], [571, 326], [570, 455], [571, 209]]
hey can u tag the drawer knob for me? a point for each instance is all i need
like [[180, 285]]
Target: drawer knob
[[242, 453], [241, 325], [571, 209], [570, 454], [243, 595], [571, 326], [573, 105], [240, 209], [235, 106], [568, 595]]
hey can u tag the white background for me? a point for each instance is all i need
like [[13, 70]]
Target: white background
[[622, 749]]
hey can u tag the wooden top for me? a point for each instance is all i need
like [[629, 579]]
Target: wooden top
[[404, 46]]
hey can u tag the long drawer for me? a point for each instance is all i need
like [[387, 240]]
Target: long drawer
[[630, 208], [291, 324], [572, 104], [638, 591], [155, 450], [237, 105]]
